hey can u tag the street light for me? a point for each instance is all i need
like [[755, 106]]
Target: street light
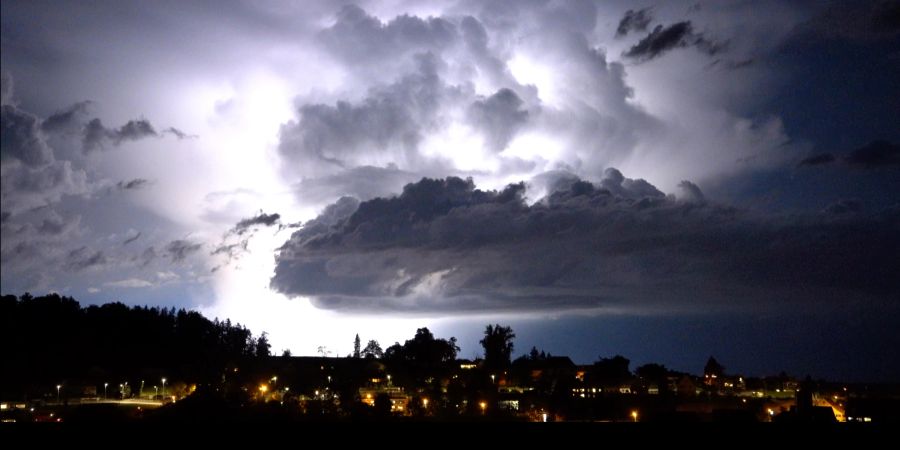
[[104, 390], [142, 389], [164, 387], [57, 392], [634, 415], [483, 407]]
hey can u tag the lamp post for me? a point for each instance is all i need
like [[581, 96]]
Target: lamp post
[[164, 387], [142, 389], [58, 386], [105, 385]]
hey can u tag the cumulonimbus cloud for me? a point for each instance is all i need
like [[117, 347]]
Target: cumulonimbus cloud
[[663, 39], [634, 21], [445, 246]]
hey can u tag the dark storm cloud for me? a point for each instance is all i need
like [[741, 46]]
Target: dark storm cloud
[[443, 245], [634, 21], [134, 130], [67, 119], [178, 133], [817, 160], [56, 225], [136, 183], [32, 177], [662, 39], [231, 252], [146, 257], [26, 188], [235, 241], [616, 183], [691, 193], [6, 87], [22, 139], [875, 154], [132, 239], [179, 249], [95, 135], [37, 241], [262, 218], [498, 117], [84, 258]]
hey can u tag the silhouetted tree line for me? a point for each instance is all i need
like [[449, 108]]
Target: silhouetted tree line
[[52, 339]]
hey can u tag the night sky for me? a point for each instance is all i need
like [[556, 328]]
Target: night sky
[[665, 181]]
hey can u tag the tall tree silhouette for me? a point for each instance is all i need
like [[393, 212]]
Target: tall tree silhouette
[[263, 348], [611, 372], [498, 346], [713, 368], [372, 350], [356, 345]]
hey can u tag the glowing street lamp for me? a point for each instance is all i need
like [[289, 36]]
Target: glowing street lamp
[[483, 406], [58, 386], [105, 385], [634, 415], [142, 389], [164, 387], [425, 403]]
